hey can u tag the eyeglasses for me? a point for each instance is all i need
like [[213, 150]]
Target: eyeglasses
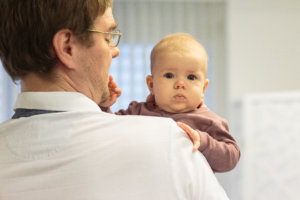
[[114, 36]]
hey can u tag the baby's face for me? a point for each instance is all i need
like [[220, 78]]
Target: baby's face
[[178, 82]]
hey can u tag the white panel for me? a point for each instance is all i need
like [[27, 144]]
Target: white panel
[[270, 147]]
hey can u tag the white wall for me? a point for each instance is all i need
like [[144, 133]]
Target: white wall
[[263, 46], [8, 95], [263, 56]]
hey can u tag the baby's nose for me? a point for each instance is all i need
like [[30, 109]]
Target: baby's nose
[[179, 84]]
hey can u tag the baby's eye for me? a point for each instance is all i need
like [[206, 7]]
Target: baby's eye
[[169, 75], [191, 77]]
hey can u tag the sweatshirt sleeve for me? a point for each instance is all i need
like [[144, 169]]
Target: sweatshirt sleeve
[[219, 147], [134, 108]]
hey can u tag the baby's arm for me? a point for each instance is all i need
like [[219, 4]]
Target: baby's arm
[[193, 134], [219, 148], [217, 144]]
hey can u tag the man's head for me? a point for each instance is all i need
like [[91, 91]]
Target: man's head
[[178, 67], [51, 40], [28, 28]]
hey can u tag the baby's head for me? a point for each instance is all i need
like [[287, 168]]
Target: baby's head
[[178, 67]]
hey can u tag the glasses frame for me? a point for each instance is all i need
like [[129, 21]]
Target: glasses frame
[[116, 32]]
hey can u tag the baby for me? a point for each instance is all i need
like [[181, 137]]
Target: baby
[[177, 85]]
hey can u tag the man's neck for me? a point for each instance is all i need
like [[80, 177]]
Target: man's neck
[[35, 83]]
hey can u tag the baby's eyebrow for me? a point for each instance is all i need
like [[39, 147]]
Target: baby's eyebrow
[[170, 69], [193, 71]]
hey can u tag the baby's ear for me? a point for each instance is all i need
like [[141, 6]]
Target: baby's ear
[[149, 81], [206, 83]]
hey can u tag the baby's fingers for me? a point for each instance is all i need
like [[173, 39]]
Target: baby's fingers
[[193, 134], [113, 87]]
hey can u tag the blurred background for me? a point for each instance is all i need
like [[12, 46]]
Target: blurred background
[[254, 68]]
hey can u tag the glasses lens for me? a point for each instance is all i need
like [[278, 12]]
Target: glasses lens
[[115, 40]]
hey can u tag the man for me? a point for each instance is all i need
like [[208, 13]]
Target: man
[[59, 144]]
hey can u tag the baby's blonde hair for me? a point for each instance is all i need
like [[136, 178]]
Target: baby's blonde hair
[[182, 43]]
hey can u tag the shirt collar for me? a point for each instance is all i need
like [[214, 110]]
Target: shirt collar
[[59, 101]]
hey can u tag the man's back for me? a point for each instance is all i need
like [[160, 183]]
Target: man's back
[[95, 155]]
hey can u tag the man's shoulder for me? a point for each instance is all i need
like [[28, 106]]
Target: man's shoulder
[[133, 122], [161, 124]]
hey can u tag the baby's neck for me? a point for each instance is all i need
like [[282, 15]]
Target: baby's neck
[[159, 109]]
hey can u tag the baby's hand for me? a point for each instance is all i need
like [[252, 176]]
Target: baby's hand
[[193, 134], [115, 92]]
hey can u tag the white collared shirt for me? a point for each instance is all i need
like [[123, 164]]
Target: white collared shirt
[[84, 153]]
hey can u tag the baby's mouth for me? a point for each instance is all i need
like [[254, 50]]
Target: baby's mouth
[[179, 97]]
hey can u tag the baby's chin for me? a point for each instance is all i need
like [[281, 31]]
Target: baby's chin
[[177, 109]]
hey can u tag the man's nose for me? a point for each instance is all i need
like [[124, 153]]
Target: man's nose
[[115, 52], [179, 84]]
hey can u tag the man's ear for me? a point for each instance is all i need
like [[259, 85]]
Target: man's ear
[[149, 81], [63, 47]]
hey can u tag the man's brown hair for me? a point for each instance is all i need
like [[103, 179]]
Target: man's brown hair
[[27, 28]]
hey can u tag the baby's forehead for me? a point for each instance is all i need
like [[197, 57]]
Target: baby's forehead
[[182, 48], [188, 53], [173, 60], [180, 69], [181, 52], [184, 61]]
